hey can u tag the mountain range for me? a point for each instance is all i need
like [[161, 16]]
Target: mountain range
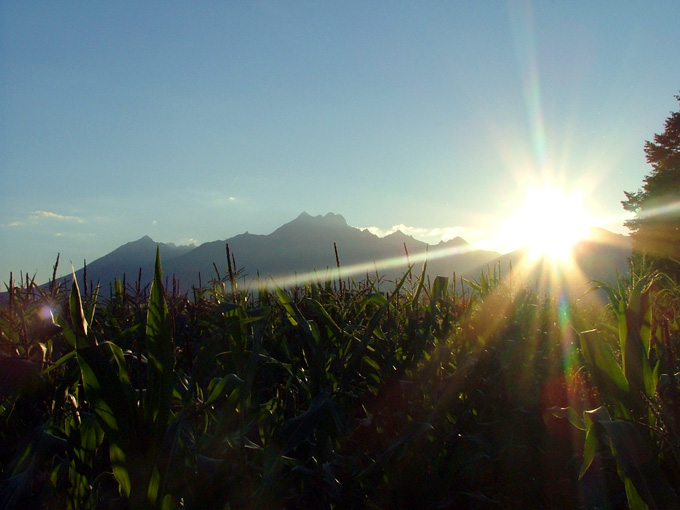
[[306, 247]]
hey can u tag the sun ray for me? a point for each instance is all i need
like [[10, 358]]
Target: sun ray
[[548, 223]]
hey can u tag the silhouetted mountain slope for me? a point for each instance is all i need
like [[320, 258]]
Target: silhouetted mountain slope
[[603, 255], [127, 260], [306, 245]]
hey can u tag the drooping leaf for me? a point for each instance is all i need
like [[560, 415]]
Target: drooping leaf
[[639, 462], [220, 388], [604, 367], [636, 460], [570, 414], [119, 467], [327, 320], [591, 441]]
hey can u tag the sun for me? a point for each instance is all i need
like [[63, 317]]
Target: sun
[[548, 223]]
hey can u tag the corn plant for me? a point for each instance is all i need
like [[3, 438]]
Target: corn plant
[[330, 394], [626, 374]]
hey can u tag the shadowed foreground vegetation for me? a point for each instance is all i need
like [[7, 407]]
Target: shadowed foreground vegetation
[[334, 395]]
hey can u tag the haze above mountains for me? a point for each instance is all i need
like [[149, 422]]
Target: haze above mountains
[[305, 248]]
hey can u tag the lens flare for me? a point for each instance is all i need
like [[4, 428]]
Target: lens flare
[[548, 223]]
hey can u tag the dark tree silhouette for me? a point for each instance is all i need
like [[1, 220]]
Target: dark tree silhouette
[[655, 229]]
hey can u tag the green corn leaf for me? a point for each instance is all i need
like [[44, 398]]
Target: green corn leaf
[[327, 319], [287, 304], [589, 449], [93, 306], [169, 502], [160, 374], [59, 362], [652, 378], [570, 414], [110, 396], [119, 468], [91, 434], [591, 441], [219, 389], [357, 354], [108, 391], [473, 285], [80, 324], [646, 322], [116, 356], [623, 330], [421, 282], [635, 362], [639, 464], [154, 486], [295, 316], [373, 299], [311, 336], [399, 285], [614, 296], [635, 501], [604, 367]]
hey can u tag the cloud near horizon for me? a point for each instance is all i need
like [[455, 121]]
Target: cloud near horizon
[[426, 234], [37, 216], [75, 234]]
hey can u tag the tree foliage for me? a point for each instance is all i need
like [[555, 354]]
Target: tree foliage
[[655, 229]]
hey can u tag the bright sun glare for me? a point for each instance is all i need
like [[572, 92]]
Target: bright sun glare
[[548, 223]]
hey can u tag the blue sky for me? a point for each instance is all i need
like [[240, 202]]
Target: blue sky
[[192, 122]]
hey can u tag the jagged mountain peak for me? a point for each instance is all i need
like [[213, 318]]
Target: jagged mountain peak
[[143, 240], [307, 221], [456, 241], [307, 244], [327, 219], [144, 243], [398, 234]]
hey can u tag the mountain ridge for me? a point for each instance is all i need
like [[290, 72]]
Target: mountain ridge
[[308, 244]]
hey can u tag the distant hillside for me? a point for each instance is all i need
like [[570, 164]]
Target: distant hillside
[[128, 260], [307, 245]]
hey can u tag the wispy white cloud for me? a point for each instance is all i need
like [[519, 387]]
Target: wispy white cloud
[[376, 231], [37, 216], [426, 234], [75, 234], [47, 215]]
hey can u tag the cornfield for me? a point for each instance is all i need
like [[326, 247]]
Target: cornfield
[[333, 395]]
